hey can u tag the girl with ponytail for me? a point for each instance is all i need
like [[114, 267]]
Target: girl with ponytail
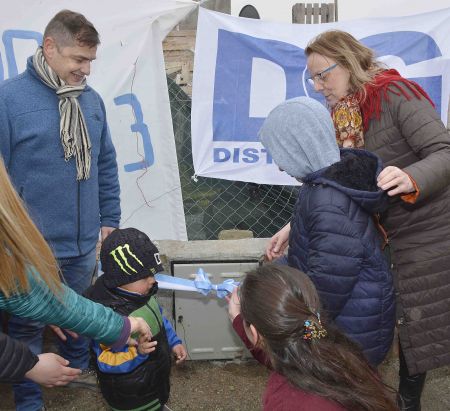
[[276, 312]]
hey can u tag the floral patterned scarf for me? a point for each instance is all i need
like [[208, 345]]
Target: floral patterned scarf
[[348, 123]]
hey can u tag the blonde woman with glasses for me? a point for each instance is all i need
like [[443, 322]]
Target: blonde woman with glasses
[[377, 109]]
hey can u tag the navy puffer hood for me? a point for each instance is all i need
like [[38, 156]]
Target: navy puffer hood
[[356, 176]]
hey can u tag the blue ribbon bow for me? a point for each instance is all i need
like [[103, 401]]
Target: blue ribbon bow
[[201, 284], [204, 285]]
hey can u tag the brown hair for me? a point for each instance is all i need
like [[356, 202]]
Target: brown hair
[[68, 27], [350, 54], [278, 300], [22, 245]]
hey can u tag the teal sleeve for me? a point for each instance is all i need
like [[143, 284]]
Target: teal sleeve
[[66, 310]]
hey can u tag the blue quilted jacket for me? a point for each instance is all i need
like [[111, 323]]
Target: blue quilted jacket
[[335, 240]]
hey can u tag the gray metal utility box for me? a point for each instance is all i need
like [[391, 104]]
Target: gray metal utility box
[[202, 321]]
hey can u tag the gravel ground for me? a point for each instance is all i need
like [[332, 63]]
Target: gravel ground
[[197, 385], [224, 386]]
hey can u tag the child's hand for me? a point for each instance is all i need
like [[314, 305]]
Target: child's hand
[[180, 353], [145, 346], [234, 305], [140, 326], [278, 243]]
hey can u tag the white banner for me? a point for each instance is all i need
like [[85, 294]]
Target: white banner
[[244, 68], [129, 75]]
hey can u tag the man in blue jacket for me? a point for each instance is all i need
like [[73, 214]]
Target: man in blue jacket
[[56, 145]]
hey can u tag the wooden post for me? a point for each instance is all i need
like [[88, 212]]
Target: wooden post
[[298, 13], [332, 13], [309, 11], [323, 13], [316, 12]]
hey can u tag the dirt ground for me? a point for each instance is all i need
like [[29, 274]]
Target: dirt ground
[[197, 385], [224, 386]]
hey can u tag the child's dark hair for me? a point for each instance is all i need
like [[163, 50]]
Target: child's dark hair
[[278, 300]]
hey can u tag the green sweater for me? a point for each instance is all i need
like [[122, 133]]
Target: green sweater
[[68, 310]]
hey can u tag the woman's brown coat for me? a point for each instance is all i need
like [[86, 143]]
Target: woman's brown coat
[[411, 136]]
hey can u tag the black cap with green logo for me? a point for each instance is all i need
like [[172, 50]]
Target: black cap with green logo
[[127, 255]]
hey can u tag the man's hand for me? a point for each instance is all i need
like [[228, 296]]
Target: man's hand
[[395, 180], [106, 231], [180, 353], [60, 333], [278, 243], [52, 370]]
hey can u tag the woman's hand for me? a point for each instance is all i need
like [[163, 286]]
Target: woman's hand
[[395, 180], [234, 305], [278, 243], [139, 326], [180, 353], [52, 370]]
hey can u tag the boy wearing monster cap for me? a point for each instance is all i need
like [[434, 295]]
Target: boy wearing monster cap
[[128, 379]]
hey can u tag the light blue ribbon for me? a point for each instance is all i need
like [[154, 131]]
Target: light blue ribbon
[[200, 284]]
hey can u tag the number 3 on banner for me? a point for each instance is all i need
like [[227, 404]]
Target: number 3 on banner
[[138, 127]]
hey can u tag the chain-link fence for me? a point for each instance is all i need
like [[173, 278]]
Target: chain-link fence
[[212, 205]]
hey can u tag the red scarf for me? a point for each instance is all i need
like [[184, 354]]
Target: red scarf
[[388, 80]]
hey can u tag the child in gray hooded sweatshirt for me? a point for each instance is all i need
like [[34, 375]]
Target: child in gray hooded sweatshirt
[[334, 237]]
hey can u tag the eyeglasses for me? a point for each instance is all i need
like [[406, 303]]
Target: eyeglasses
[[321, 77]]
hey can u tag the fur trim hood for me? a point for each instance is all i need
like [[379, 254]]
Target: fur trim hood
[[355, 175]]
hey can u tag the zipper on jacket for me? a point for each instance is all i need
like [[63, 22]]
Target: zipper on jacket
[[156, 316], [381, 229], [78, 216]]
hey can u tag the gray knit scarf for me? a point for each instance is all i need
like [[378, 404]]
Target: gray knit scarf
[[74, 133]]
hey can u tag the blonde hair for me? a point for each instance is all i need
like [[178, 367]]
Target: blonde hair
[[22, 245], [350, 54]]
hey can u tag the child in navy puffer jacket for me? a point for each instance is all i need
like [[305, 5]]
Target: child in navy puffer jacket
[[334, 236]]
